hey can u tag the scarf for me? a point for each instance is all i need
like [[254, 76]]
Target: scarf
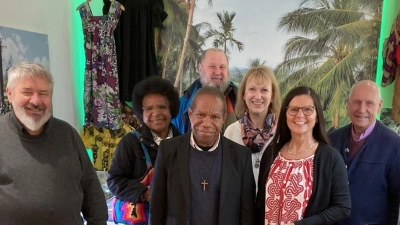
[[254, 138]]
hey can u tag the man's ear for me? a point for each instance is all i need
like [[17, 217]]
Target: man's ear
[[380, 104], [190, 113], [9, 95], [347, 102]]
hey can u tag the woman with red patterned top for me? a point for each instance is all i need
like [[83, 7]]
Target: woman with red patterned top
[[303, 180]]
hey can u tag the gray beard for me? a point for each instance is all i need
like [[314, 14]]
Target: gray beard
[[32, 123], [223, 86]]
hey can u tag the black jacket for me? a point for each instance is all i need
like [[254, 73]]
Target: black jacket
[[170, 201], [128, 164], [330, 197]]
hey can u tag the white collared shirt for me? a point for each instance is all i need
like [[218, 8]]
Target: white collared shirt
[[157, 139], [194, 145]]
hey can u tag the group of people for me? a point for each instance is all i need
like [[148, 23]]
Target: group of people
[[221, 155]]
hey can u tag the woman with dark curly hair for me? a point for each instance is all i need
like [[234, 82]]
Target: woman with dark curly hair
[[155, 101]]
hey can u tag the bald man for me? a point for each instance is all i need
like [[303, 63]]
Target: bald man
[[371, 152]]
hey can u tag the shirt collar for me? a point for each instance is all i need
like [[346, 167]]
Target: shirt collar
[[364, 134], [158, 139], [195, 146]]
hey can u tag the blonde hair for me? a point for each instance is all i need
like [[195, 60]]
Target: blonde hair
[[261, 74]]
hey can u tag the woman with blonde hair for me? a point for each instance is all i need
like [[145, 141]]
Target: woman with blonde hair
[[258, 101]]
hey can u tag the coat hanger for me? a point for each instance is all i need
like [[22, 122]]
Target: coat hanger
[[122, 7]]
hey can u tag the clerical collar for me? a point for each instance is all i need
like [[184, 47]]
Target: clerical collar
[[364, 134], [158, 139], [194, 145]]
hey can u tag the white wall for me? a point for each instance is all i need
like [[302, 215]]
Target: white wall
[[54, 18]]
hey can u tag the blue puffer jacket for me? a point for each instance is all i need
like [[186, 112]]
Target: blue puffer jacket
[[374, 175], [181, 121]]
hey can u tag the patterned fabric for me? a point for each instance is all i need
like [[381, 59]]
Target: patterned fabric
[[103, 143], [391, 57], [130, 213], [288, 189], [101, 91], [255, 138]]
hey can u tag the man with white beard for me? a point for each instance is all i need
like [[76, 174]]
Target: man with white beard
[[46, 176], [214, 71]]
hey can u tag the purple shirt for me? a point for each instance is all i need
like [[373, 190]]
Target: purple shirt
[[364, 134]]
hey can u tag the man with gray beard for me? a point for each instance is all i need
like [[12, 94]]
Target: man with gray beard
[[214, 71], [46, 176]]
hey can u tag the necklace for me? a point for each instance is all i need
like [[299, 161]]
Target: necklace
[[204, 180], [258, 158], [296, 153], [257, 163]]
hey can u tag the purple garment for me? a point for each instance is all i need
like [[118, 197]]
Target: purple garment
[[101, 102]]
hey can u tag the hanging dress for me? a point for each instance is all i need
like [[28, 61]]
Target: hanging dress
[[135, 41], [103, 127], [101, 91]]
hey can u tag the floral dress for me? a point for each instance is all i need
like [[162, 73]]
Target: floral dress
[[101, 91], [288, 189]]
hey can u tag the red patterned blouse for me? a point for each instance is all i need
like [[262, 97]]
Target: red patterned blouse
[[288, 189]]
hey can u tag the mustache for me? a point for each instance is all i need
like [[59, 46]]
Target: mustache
[[216, 76], [33, 106]]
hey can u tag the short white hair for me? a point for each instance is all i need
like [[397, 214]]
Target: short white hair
[[28, 70]]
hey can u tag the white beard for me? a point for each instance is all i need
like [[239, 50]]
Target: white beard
[[222, 87], [33, 123]]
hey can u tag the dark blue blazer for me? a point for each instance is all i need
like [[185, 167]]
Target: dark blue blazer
[[374, 175]]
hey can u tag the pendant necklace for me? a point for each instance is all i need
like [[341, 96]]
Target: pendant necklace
[[296, 153], [204, 180], [258, 158], [257, 163]]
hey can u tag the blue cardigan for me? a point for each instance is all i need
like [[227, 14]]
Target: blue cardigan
[[374, 175]]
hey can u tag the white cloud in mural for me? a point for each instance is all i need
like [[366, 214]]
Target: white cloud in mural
[[12, 52], [22, 48], [20, 45], [44, 61], [256, 26]]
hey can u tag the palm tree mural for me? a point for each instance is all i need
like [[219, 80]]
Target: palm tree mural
[[336, 45], [174, 32], [190, 7], [237, 74], [255, 62], [224, 35], [172, 42]]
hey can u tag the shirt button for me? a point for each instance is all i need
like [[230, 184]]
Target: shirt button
[[346, 150]]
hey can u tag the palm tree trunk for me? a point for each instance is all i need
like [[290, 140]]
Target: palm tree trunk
[[335, 122], [225, 47], [164, 61], [185, 43]]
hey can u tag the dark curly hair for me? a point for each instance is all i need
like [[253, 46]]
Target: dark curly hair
[[154, 85]]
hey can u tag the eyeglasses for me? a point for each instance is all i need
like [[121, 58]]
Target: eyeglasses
[[307, 110], [161, 108]]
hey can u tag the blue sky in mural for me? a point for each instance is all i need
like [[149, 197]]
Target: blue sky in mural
[[19, 45], [256, 23]]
